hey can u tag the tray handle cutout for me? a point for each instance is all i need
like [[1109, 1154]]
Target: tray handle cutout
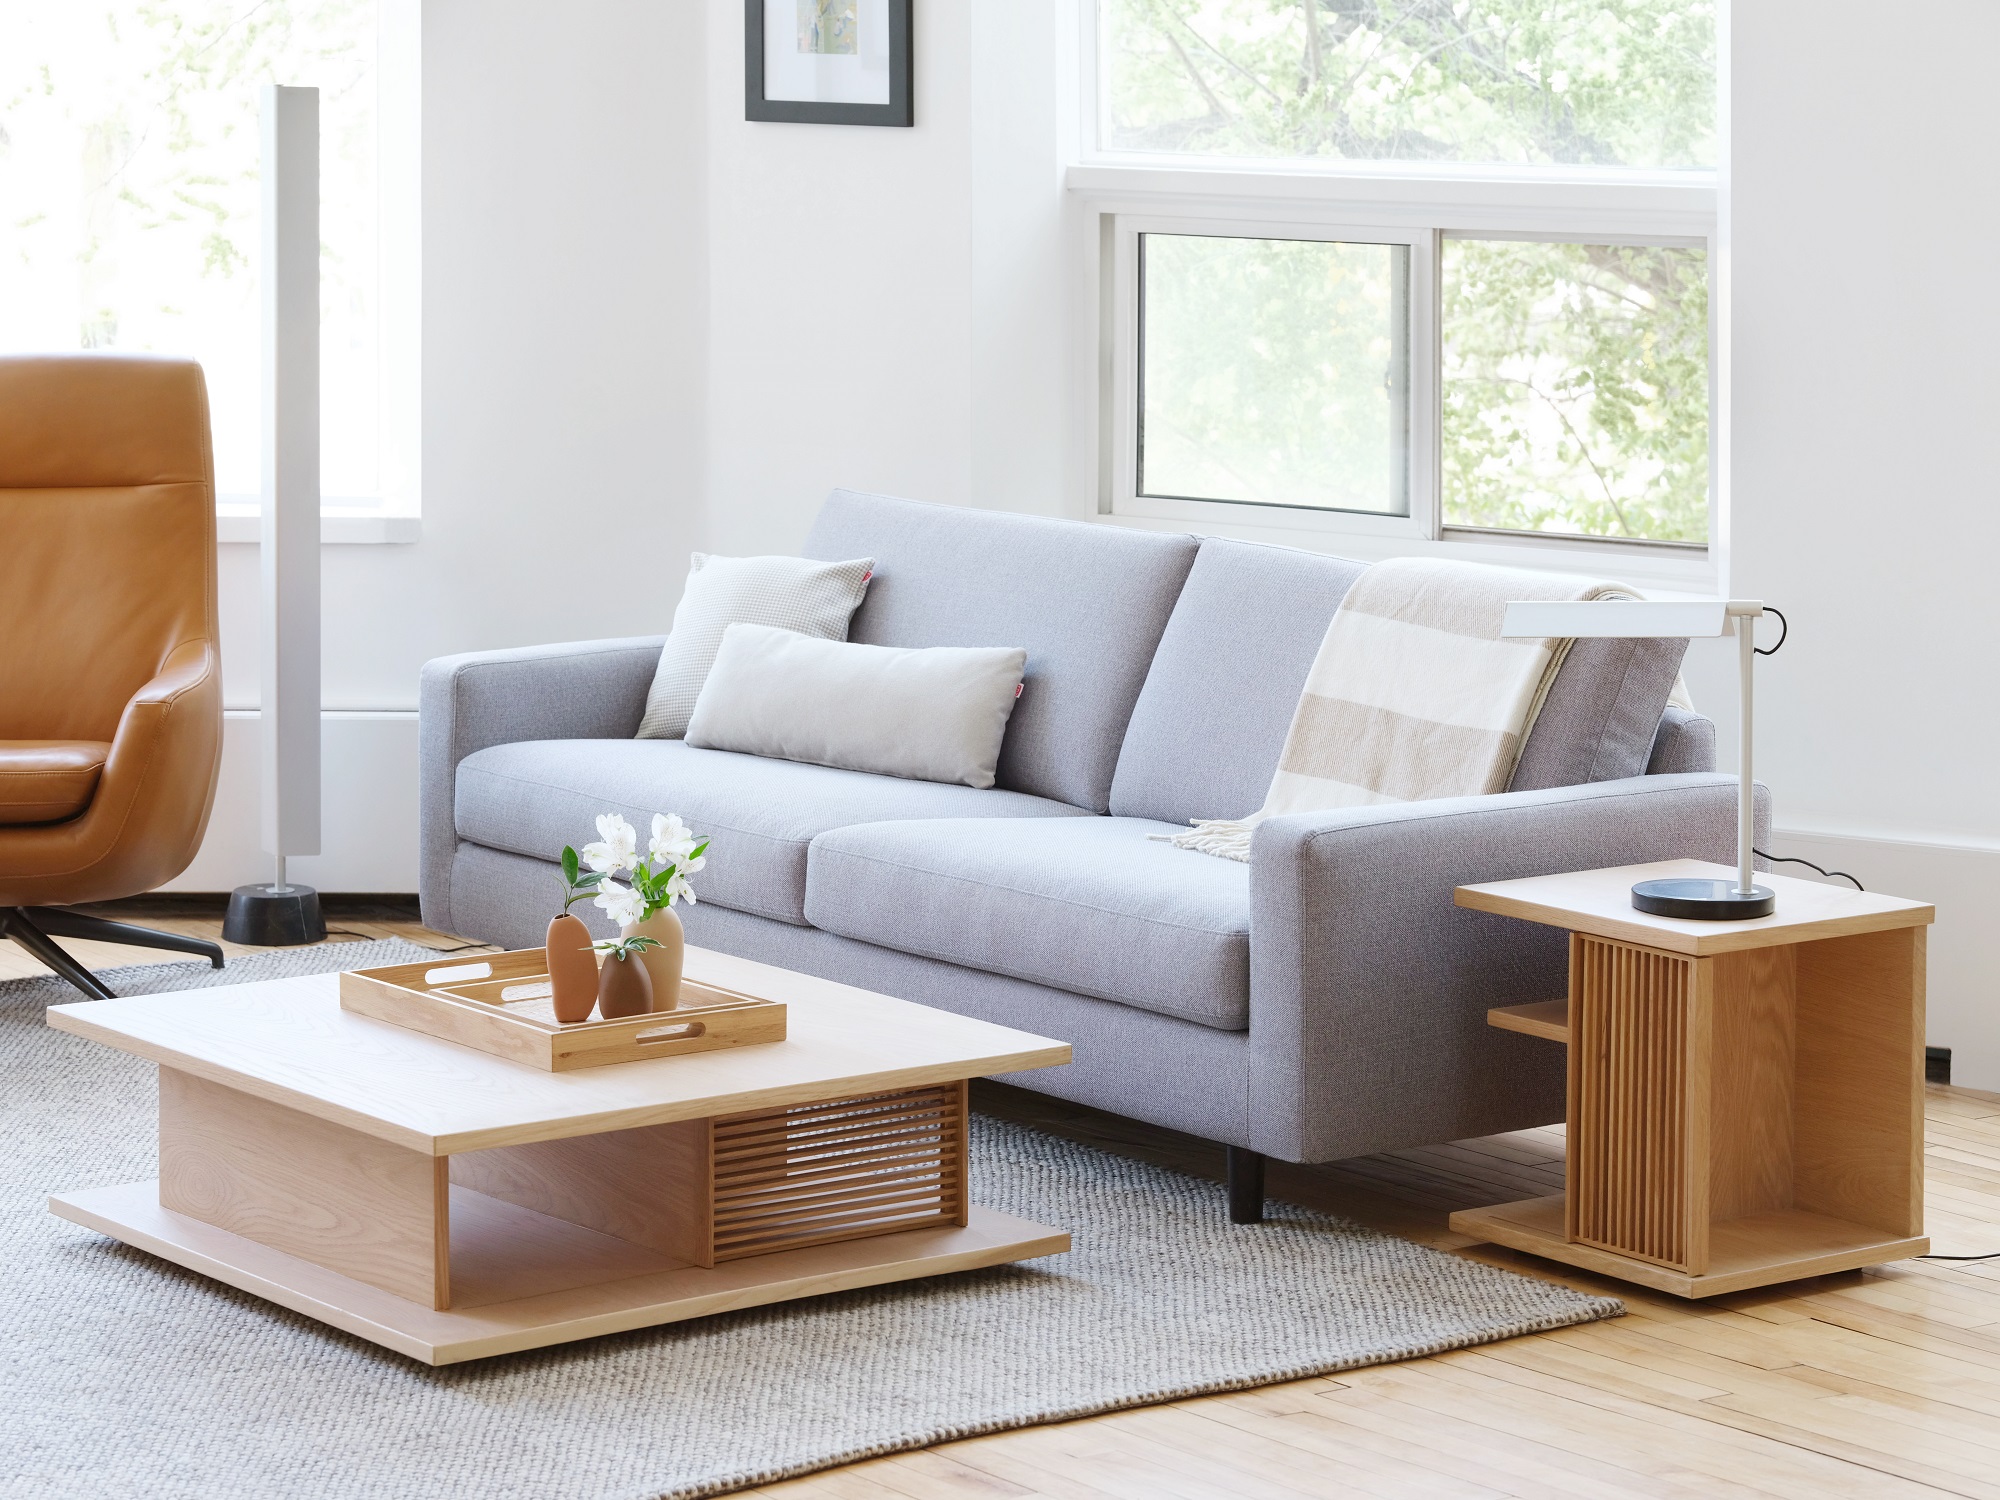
[[534, 989], [686, 1031], [457, 974]]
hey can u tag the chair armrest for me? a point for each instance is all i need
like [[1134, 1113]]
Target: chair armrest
[[1369, 986], [151, 806], [579, 690]]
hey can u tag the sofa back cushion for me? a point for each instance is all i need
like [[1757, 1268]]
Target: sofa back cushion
[[1088, 602], [1211, 722], [1208, 728]]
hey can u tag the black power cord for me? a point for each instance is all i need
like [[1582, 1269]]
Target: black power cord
[[1995, 1255], [1786, 859], [1784, 629]]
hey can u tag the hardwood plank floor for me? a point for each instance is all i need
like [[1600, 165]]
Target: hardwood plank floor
[[1883, 1383]]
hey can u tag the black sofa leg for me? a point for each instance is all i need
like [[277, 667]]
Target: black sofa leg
[[1246, 1185], [15, 924], [57, 921]]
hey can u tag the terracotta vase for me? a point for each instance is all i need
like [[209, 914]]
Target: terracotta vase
[[663, 964], [572, 968], [623, 988]]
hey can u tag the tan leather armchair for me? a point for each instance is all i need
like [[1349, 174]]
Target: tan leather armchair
[[110, 675]]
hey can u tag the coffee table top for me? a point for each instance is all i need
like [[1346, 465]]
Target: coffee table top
[[288, 1041], [1599, 902]]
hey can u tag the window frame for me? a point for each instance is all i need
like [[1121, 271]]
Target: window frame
[[1113, 195], [1128, 336]]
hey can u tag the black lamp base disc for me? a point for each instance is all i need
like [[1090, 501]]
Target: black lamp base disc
[[263, 916], [1703, 900]]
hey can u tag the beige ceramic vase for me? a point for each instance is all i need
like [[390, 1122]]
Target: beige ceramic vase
[[623, 988], [572, 968], [663, 964]]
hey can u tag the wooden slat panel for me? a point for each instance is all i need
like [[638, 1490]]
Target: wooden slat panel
[[838, 1169], [1629, 1042]]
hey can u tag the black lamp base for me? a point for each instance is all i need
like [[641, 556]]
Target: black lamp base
[[269, 916], [1703, 900]]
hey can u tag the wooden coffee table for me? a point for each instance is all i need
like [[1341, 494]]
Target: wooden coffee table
[[451, 1205]]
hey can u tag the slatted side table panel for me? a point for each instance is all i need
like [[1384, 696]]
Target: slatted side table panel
[[1631, 1014], [841, 1169]]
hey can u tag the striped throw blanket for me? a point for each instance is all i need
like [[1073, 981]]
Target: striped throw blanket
[[1413, 695]]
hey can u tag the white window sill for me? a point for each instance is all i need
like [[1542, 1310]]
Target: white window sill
[[338, 526], [1662, 570]]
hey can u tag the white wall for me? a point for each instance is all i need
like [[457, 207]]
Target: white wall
[[563, 339], [839, 318], [1863, 383]]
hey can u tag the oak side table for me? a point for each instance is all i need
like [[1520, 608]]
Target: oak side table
[[1745, 1099]]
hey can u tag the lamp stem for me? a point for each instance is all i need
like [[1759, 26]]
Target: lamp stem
[[1746, 648]]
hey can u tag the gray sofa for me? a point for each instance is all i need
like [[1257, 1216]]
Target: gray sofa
[[1326, 1000]]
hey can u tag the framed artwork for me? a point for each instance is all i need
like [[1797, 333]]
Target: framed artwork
[[827, 62]]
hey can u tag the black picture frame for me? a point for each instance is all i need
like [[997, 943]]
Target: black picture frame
[[800, 112]]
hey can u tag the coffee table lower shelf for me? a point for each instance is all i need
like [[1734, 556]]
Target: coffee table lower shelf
[[661, 1291], [1755, 1250]]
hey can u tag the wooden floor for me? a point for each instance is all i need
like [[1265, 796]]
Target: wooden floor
[[1880, 1383]]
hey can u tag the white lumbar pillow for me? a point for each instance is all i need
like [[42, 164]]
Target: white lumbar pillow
[[933, 714], [795, 593]]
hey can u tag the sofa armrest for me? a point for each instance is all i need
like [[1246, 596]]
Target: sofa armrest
[[580, 690], [1369, 986]]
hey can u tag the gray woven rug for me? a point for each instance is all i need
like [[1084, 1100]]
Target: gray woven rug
[[124, 1375]]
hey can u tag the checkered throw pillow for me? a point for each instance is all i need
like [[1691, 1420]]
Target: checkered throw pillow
[[792, 593]]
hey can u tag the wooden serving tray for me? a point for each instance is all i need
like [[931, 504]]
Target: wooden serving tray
[[500, 1004]]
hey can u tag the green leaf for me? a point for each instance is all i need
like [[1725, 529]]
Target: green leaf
[[569, 865]]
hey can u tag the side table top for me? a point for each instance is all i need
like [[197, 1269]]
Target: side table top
[[289, 1041], [1599, 902]]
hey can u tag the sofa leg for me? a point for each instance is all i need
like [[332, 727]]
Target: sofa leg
[[14, 923], [57, 921], [1246, 1185]]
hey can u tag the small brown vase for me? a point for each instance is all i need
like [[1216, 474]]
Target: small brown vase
[[623, 988], [572, 968]]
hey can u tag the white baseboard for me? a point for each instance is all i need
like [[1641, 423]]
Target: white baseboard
[[1963, 881], [369, 828]]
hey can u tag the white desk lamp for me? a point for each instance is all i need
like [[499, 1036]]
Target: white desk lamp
[[1703, 900]]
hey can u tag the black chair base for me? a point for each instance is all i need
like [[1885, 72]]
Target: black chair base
[[1245, 1171], [35, 928]]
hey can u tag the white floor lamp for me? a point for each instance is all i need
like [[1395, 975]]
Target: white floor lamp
[[284, 913], [1703, 900]]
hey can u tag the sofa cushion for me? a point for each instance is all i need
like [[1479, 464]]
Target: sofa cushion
[[1089, 905], [1232, 662], [535, 796], [1211, 721], [1088, 603]]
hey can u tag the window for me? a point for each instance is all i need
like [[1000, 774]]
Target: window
[[1585, 82], [1428, 271], [1275, 371], [129, 192]]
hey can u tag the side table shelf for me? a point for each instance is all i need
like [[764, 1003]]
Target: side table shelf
[[1745, 1099]]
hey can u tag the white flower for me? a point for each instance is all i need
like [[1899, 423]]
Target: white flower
[[678, 888], [618, 848], [671, 840], [621, 903]]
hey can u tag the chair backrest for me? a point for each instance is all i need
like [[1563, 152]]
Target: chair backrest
[[1211, 721], [107, 535], [1088, 603]]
